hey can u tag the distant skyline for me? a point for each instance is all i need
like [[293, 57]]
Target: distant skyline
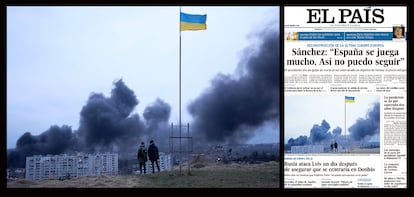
[[57, 56]]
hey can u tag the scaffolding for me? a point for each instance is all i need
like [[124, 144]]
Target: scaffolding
[[184, 147]]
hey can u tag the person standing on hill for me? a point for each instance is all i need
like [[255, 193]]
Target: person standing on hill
[[142, 157], [153, 155]]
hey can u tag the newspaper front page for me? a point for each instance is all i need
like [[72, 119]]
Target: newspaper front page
[[345, 90]]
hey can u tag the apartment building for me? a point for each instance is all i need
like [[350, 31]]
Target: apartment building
[[67, 166]]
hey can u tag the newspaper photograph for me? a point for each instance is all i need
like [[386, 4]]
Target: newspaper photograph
[[345, 96]]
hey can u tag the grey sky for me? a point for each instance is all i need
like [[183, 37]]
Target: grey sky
[[302, 112], [58, 55]]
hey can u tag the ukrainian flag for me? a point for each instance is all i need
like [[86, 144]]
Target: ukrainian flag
[[349, 99], [192, 21]]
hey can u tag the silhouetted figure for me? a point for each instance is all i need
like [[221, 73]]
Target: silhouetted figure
[[153, 155], [336, 146], [142, 157]]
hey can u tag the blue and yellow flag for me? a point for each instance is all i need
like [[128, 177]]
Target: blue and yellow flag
[[349, 99], [192, 22]]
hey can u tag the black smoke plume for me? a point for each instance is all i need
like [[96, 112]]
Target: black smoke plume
[[231, 109], [320, 133], [299, 141], [367, 127], [156, 116], [157, 112], [106, 124], [337, 132], [55, 140]]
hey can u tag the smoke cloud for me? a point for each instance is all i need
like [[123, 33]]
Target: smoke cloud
[[105, 121], [320, 133], [157, 112], [233, 106], [299, 141], [337, 132], [106, 124], [367, 127], [156, 116], [55, 140]]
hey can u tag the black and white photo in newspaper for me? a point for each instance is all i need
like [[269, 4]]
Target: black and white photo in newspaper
[[345, 96]]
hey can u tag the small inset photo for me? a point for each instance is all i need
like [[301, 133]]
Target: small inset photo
[[292, 36], [398, 31]]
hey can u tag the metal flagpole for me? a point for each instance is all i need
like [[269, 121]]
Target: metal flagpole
[[179, 97], [346, 141], [345, 118]]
